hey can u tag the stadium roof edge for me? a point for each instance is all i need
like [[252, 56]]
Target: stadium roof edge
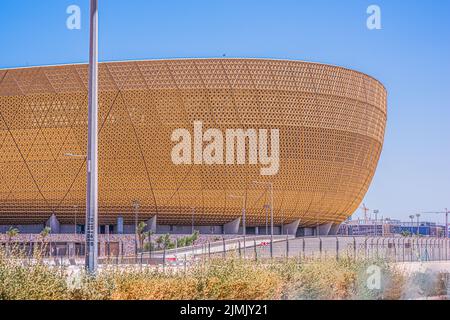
[[213, 58]]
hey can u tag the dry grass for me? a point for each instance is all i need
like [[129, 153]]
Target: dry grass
[[233, 279], [20, 280]]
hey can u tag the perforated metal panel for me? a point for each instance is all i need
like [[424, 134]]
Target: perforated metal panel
[[331, 121]]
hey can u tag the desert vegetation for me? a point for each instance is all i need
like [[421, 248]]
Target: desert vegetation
[[232, 278]]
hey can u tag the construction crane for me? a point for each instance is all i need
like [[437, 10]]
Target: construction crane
[[365, 209], [446, 212]]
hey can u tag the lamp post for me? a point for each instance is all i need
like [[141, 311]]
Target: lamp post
[[75, 207], [75, 222], [244, 226], [92, 154], [412, 223], [270, 185], [376, 222], [317, 226], [446, 223], [136, 205], [193, 214], [266, 206], [418, 225]]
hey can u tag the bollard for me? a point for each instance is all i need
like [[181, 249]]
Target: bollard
[[256, 252]]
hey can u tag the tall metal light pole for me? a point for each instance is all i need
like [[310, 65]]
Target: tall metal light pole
[[446, 223], [266, 206], [193, 215], [136, 205], [418, 224], [75, 222], [244, 225], [92, 154], [412, 223], [270, 185], [376, 222]]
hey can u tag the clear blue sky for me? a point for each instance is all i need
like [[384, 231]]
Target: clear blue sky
[[410, 55]]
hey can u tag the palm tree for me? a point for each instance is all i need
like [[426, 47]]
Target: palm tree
[[11, 233], [141, 234], [44, 234]]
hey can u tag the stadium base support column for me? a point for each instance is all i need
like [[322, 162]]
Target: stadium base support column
[[324, 229], [334, 229], [119, 225], [232, 227], [151, 224], [53, 223], [291, 228]]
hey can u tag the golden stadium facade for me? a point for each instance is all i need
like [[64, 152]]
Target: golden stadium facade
[[331, 121]]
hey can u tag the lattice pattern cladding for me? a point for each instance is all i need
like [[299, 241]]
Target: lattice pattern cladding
[[331, 120]]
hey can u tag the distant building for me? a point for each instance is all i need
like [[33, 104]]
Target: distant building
[[388, 227], [429, 229]]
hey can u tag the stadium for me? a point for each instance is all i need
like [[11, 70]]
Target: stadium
[[331, 123]]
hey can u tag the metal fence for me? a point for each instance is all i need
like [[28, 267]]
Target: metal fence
[[395, 249]]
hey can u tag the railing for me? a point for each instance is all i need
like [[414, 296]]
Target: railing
[[393, 249]]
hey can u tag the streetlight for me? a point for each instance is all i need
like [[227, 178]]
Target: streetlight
[[266, 206], [244, 226], [317, 225], [193, 214], [136, 205], [92, 154], [418, 225], [76, 213], [412, 223], [270, 185], [376, 221], [72, 155]]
